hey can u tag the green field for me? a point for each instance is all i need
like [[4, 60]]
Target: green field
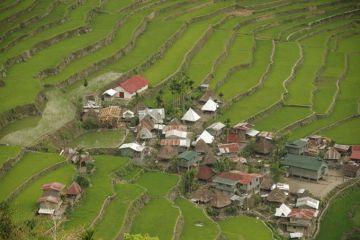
[[7, 152], [19, 125], [101, 139], [338, 215], [245, 227]]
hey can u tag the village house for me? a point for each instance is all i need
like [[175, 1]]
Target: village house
[[156, 115], [133, 150], [205, 173], [110, 117], [188, 159], [229, 149], [283, 211], [296, 147], [305, 166], [215, 129], [181, 144], [132, 86], [332, 154], [266, 183], [201, 147], [351, 170], [128, 115], [190, 116], [220, 200], [210, 106], [236, 182], [167, 153], [50, 201], [355, 153], [307, 202], [264, 142], [301, 221], [206, 137], [74, 192], [109, 94], [276, 196], [341, 148], [201, 195], [241, 130]]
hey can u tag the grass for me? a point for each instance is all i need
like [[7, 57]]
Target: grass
[[17, 8], [326, 85], [101, 139], [21, 124], [157, 183], [246, 78], [286, 55], [281, 118], [116, 212], [300, 88], [7, 152], [338, 215], [30, 164], [25, 204], [157, 218], [194, 215], [101, 187], [346, 133], [245, 228], [346, 104]]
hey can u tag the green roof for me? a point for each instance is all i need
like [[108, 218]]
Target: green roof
[[188, 155], [297, 144], [305, 162], [226, 181]]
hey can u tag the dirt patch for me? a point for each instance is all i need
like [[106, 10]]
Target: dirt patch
[[318, 189]]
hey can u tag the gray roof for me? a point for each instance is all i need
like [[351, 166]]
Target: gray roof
[[305, 162], [226, 181], [297, 144]]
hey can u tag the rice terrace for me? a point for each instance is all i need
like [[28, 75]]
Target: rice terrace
[[180, 119]]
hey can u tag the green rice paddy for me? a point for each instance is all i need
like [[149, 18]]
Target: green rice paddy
[[101, 139]]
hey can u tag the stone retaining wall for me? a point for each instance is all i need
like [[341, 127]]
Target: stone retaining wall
[[10, 163]]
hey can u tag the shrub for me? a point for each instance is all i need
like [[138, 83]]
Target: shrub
[[213, 212], [231, 211], [82, 181]]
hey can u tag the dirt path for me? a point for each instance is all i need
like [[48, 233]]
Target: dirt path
[[59, 110]]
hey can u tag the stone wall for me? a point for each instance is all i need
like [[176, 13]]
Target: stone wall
[[7, 166]]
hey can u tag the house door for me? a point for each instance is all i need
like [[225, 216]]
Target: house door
[[121, 94]]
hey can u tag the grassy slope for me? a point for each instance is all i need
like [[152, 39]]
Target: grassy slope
[[346, 103], [25, 204], [17, 8], [338, 215], [117, 210], [100, 188], [195, 215], [346, 133], [30, 164], [7, 152], [159, 210], [19, 125], [103, 139], [244, 227], [286, 55]]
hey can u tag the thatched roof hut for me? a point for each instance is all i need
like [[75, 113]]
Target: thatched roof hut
[[277, 196], [220, 200], [167, 152], [205, 173], [209, 158], [201, 147], [266, 183], [202, 195]]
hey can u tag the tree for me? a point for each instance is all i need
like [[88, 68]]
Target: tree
[[86, 82], [223, 165], [7, 228], [279, 147], [82, 181], [188, 180], [276, 171]]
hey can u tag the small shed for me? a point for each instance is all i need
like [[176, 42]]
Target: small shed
[[296, 147], [307, 202], [229, 149], [210, 106], [351, 170], [215, 129], [206, 137], [201, 147], [74, 191], [282, 211], [266, 183], [202, 195], [263, 144], [355, 153], [127, 115], [220, 200], [209, 158]]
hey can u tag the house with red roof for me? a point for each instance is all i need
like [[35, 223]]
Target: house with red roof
[[355, 153], [236, 182], [128, 88], [50, 201]]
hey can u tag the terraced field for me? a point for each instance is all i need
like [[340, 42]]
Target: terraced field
[[287, 66]]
